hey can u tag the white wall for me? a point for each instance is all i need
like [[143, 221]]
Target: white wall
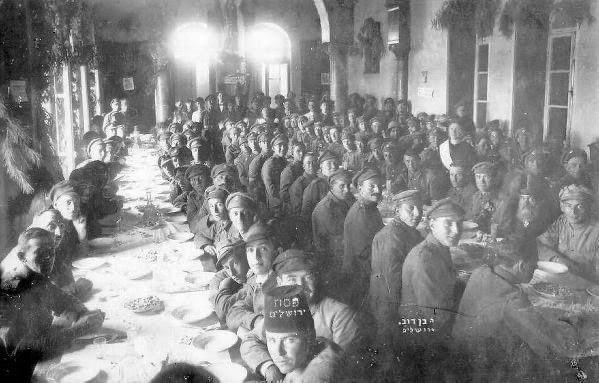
[[501, 78]]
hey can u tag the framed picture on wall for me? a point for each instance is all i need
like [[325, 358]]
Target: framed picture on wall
[[128, 83], [325, 78]]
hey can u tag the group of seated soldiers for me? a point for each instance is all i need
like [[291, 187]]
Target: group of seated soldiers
[[285, 198]]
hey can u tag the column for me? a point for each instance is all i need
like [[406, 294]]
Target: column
[[339, 88], [98, 91], [401, 55], [162, 96], [85, 98], [67, 80]]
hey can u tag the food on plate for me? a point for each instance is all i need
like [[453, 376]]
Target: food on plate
[[553, 290], [145, 304]]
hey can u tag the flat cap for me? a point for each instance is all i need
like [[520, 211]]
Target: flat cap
[[217, 193], [175, 152], [461, 164], [221, 169], [446, 208], [264, 137], [327, 156], [410, 195], [258, 231], [197, 170], [95, 141], [364, 175], [240, 200], [195, 142], [575, 192], [293, 260], [279, 139], [60, 189], [228, 247], [340, 174], [178, 137], [484, 167]]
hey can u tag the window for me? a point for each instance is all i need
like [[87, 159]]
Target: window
[[559, 77], [481, 81]]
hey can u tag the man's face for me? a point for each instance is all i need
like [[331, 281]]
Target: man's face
[[575, 167], [360, 146], [495, 137], [264, 113], [370, 190], [111, 131], [176, 161], [311, 106], [347, 144], [310, 165], [523, 141], [241, 218], [351, 117], [176, 143], [447, 230], [484, 182], [362, 126], [376, 127], [68, 206], [264, 146], [324, 108], [195, 153], [85, 191], [97, 152], [252, 144], [460, 111], [260, 255], [483, 147], [114, 105], [412, 163], [433, 140], [334, 134], [534, 165], [223, 180], [163, 145], [457, 176], [237, 268], [217, 210], [199, 183], [304, 278], [410, 213], [51, 222], [527, 208], [328, 167], [341, 189], [289, 351], [574, 210], [455, 132], [40, 255], [298, 153], [280, 149]]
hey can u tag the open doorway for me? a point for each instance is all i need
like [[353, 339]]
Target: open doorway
[[269, 46]]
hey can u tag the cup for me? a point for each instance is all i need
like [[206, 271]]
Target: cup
[[100, 346]]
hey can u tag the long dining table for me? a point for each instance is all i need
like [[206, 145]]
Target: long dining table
[[139, 258]]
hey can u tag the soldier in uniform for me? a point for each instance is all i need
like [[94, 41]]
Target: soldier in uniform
[[428, 280], [462, 186], [431, 182], [257, 188], [361, 224], [199, 178], [271, 173], [392, 168], [328, 218], [336, 146], [352, 160], [375, 159], [296, 190], [319, 187], [487, 204], [292, 172]]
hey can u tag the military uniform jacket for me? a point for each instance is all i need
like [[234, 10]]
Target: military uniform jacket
[[428, 280], [271, 177], [498, 326], [390, 247], [231, 153], [327, 230], [361, 224], [338, 149], [486, 209], [296, 192], [210, 232], [313, 193], [353, 161], [291, 172], [195, 201], [256, 185], [463, 196], [250, 304], [243, 164]]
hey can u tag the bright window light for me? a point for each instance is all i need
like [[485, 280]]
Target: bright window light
[[194, 42], [268, 43]]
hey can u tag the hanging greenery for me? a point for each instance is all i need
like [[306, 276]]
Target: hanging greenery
[[462, 14], [15, 147], [535, 13]]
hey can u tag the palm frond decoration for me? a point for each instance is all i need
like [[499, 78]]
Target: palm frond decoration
[[17, 155]]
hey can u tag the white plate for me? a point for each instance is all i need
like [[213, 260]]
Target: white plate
[[137, 272], [189, 315], [73, 372], [228, 372], [173, 210], [552, 267], [181, 236], [89, 263], [176, 219], [102, 242], [215, 341], [469, 225]]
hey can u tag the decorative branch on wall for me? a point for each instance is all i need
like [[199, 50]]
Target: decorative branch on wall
[[535, 13], [371, 45], [459, 14]]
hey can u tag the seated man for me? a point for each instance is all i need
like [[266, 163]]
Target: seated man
[[499, 336], [333, 320], [232, 261], [292, 342], [179, 184], [573, 239], [61, 275], [488, 205], [261, 250], [462, 188], [27, 303], [199, 179], [66, 201]]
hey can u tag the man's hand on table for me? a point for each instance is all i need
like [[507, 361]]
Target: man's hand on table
[[89, 322]]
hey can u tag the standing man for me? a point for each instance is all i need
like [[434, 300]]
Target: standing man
[[427, 292], [271, 173], [361, 224], [390, 247], [327, 230]]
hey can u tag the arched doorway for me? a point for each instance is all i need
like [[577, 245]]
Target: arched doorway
[[194, 47], [269, 47]]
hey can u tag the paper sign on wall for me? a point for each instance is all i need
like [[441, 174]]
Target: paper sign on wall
[[18, 90], [128, 83], [426, 92]]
